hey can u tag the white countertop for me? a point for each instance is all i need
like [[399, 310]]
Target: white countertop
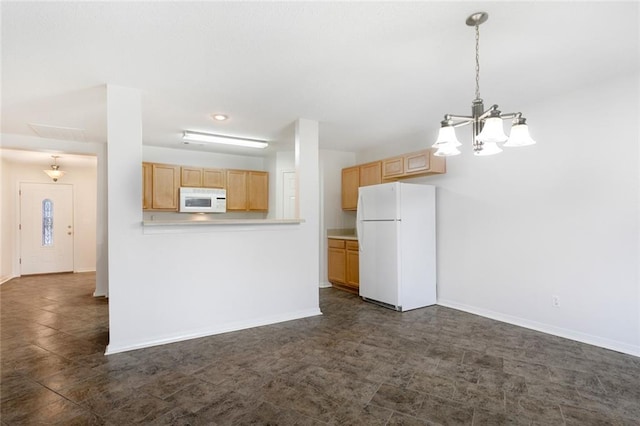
[[221, 222], [343, 237]]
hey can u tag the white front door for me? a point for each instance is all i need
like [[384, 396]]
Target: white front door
[[46, 228]]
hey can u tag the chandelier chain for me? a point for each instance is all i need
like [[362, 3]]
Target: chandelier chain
[[477, 62]]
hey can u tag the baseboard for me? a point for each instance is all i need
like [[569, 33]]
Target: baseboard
[[7, 278], [241, 325], [325, 284], [602, 342], [80, 271]]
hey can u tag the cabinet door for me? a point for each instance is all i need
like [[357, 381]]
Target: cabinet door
[[237, 190], [437, 164], [353, 267], [416, 162], [191, 176], [166, 181], [258, 191], [392, 167], [371, 173], [337, 265], [147, 186], [350, 184], [213, 178]]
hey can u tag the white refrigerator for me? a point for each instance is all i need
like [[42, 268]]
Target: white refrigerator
[[396, 226]]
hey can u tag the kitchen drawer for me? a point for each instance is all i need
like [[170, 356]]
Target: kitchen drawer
[[333, 243], [352, 245]]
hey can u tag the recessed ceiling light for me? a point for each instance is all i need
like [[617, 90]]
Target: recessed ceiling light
[[220, 117]]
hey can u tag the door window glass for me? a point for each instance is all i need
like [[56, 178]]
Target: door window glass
[[47, 223]]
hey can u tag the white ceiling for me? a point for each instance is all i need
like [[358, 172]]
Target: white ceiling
[[369, 72], [44, 159]]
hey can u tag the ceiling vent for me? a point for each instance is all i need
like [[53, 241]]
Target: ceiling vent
[[60, 133]]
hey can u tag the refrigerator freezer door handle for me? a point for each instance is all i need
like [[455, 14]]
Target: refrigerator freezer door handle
[[359, 214]]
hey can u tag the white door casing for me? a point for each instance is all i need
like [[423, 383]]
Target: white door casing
[[289, 195], [40, 254]]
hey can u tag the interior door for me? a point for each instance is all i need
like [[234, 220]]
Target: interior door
[[46, 228], [289, 194]]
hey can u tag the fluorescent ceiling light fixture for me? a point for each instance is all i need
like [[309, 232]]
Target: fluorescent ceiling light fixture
[[221, 139]]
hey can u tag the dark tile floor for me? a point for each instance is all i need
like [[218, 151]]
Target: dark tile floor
[[356, 364]]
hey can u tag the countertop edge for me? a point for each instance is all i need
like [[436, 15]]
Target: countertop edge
[[222, 222], [343, 237]]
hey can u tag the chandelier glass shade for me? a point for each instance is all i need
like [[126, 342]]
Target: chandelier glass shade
[[487, 126], [54, 172]]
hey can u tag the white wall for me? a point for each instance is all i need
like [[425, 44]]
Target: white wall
[[7, 224], [558, 218], [332, 215], [212, 160], [192, 282]]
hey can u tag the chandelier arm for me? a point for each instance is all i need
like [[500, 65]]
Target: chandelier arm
[[462, 123], [459, 117], [510, 115], [488, 112]]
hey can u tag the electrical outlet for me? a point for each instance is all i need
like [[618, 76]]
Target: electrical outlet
[[555, 301]]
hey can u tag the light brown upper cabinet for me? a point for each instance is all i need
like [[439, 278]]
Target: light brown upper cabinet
[[392, 167], [370, 173], [161, 183], [258, 191], [419, 163], [355, 177], [147, 186], [197, 177], [191, 177], [350, 184], [247, 190], [413, 164], [213, 178]]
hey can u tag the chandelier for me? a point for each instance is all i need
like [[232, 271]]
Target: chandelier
[[486, 125], [55, 173]]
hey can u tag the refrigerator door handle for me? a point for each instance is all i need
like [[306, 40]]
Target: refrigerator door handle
[[359, 215]]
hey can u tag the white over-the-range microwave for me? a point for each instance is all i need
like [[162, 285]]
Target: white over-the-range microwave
[[203, 200]]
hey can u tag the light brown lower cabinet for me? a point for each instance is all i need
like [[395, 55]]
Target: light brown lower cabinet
[[343, 264]]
